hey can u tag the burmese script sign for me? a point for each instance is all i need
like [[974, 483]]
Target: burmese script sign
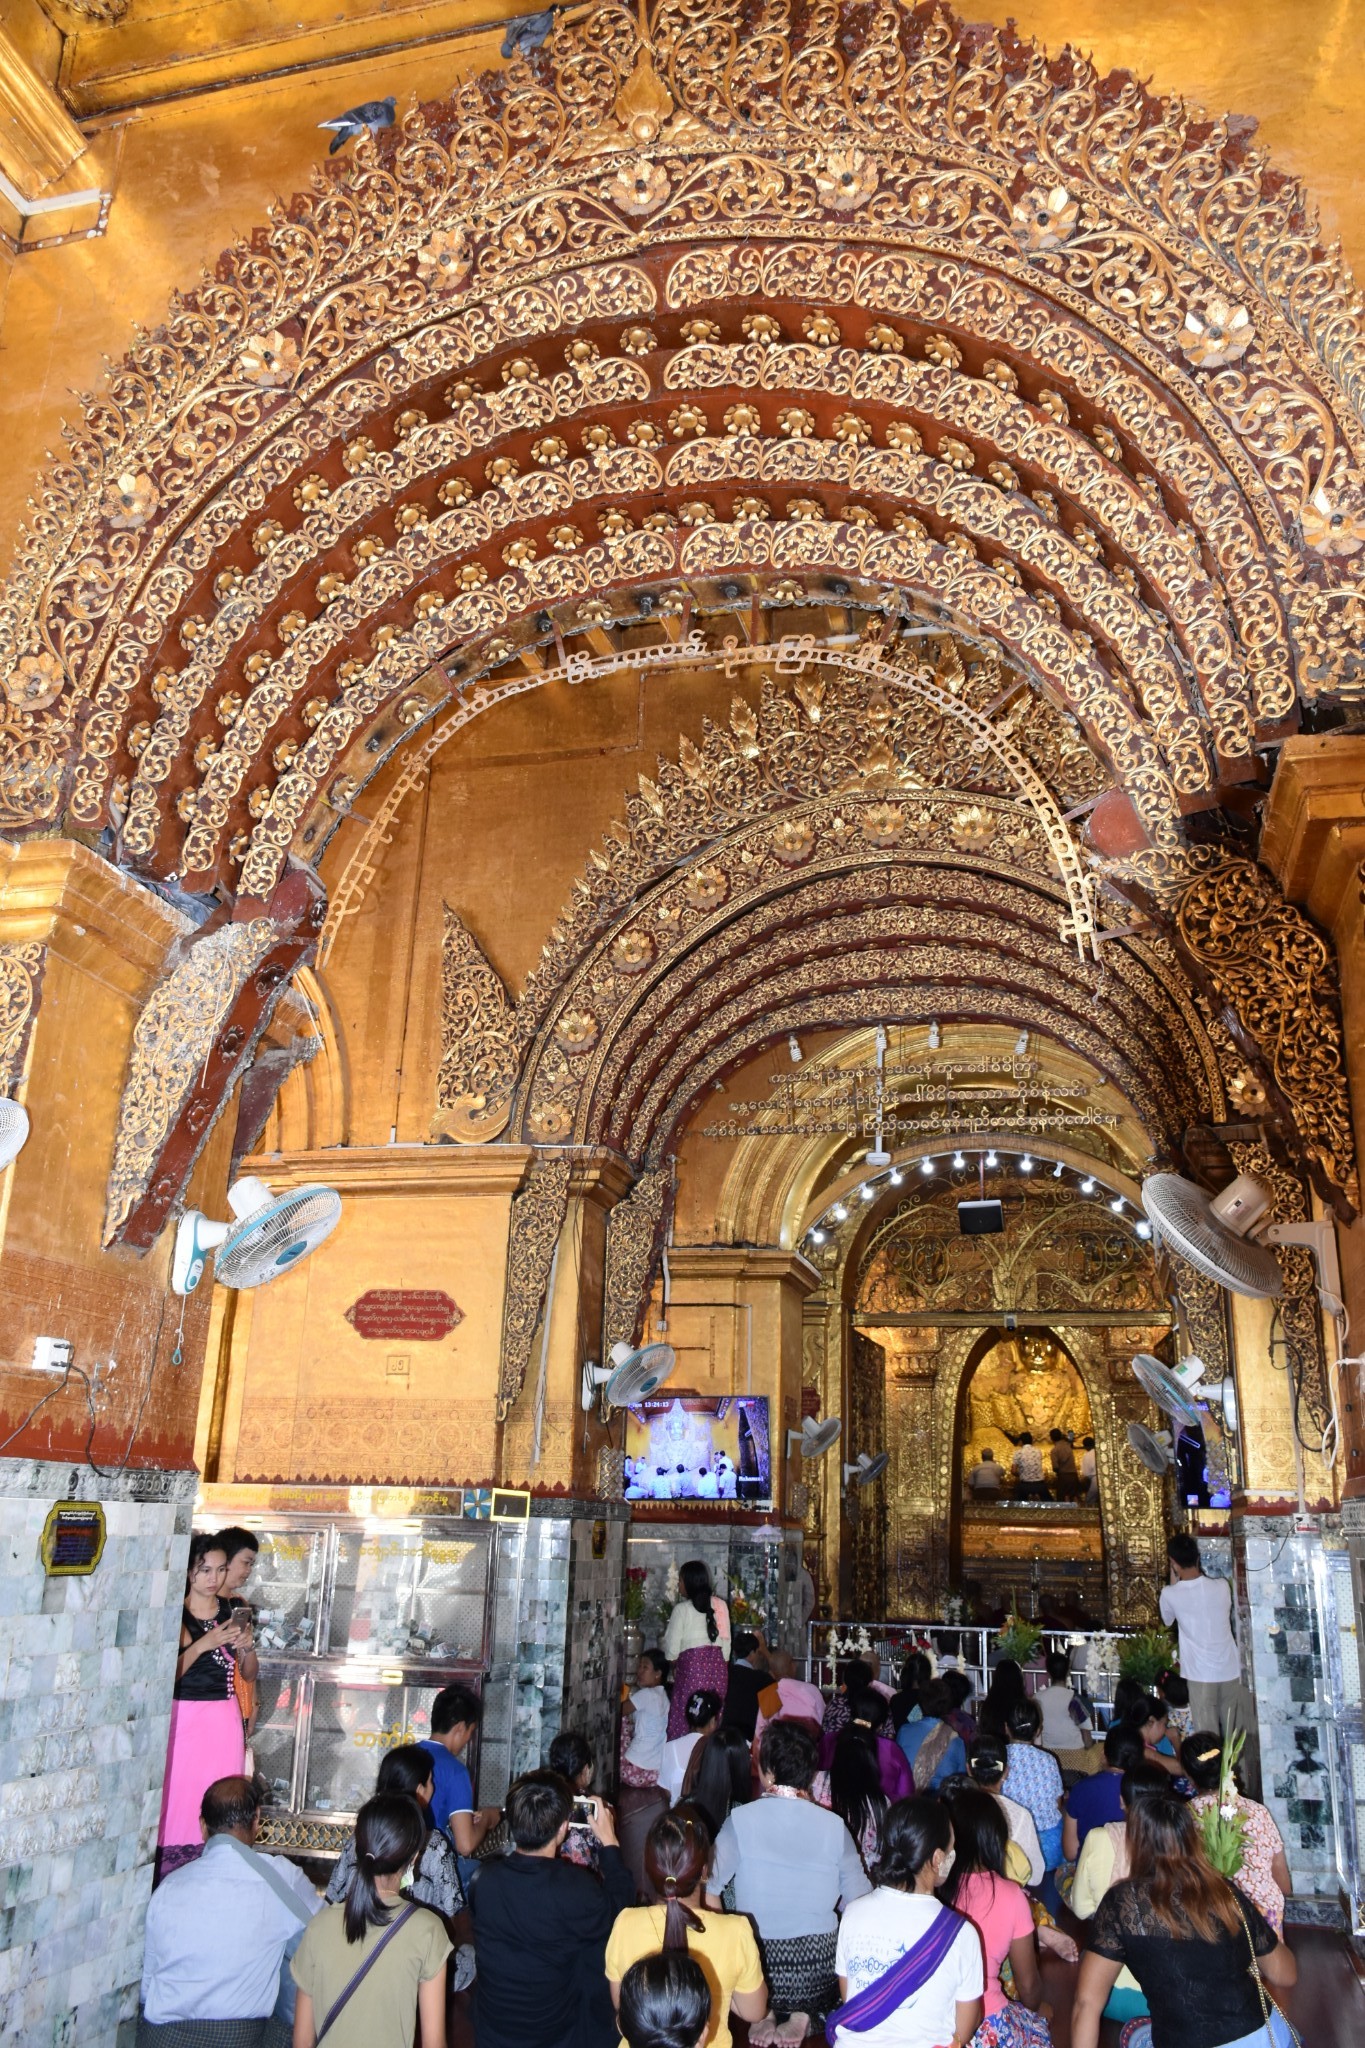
[[923, 1099], [419, 1315]]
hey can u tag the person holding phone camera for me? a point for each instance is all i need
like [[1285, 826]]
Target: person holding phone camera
[[572, 1758], [207, 1737], [541, 1926]]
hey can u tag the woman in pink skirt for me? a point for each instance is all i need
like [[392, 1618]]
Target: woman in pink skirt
[[697, 1642], [207, 1739]]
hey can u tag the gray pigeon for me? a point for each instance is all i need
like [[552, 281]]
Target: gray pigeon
[[527, 33], [371, 114]]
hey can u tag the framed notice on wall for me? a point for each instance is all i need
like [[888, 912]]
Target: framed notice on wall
[[72, 1541]]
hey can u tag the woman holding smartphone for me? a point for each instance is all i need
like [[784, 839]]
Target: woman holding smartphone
[[207, 1739]]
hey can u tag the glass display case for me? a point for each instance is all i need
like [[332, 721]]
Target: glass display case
[[362, 1617]]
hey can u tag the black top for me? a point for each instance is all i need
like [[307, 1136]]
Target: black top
[[1201, 1993], [210, 1676], [540, 1945], [741, 1700]]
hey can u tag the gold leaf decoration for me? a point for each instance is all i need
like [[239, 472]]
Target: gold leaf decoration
[[480, 1057]]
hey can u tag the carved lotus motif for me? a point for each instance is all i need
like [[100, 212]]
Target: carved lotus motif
[[270, 360], [846, 180], [632, 951], [793, 840], [1222, 335], [130, 500], [576, 1031], [638, 188], [1044, 220], [972, 828], [35, 681], [883, 824], [706, 887], [1331, 527], [549, 1121], [443, 260], [1246, 1091]]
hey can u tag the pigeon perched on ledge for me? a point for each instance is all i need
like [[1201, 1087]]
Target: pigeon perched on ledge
[[371, 114], [527, 33]]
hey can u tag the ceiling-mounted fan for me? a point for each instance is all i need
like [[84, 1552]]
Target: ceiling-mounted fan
[[271, 1233]]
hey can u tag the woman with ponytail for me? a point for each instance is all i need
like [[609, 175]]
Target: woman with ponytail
[[677, 1860], [697, 1640], [365, 1968], [867, 1773]]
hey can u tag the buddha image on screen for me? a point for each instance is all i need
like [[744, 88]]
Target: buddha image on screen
[[695, 1449]]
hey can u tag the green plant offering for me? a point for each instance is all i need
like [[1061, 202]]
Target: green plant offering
[[1225, 1824], [1146, 1655], [1019, 1639]]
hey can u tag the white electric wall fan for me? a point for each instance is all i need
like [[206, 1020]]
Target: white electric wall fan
[[269, 1235], [630, 1377]]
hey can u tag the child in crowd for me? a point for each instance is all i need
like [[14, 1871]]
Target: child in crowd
[[1175, 1691], [647, 1715]]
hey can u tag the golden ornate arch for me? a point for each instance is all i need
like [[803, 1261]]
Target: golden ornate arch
[[1115, 305], [732, 319]]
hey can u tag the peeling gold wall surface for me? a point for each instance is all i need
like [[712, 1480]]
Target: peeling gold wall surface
[[200, 170]]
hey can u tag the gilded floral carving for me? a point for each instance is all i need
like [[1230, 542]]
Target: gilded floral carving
[[479, 1052], [536, 1220], [21, 976], [787, 154], [634, 1237], [179, 1026], [1278, 976]]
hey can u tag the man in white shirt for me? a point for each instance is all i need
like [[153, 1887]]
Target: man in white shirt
[[1200, 1609], [217, 1932], [1089, 1481]]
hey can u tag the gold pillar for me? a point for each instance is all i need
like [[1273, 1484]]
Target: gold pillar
[[1313, 840], [38, 138], [81, 945], [568, 1437], [735, 1321]]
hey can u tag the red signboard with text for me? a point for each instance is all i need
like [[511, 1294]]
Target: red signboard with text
[[417, 1315]]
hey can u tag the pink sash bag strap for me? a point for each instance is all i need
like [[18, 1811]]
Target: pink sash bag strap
[[872, 2007], [365, 1968]]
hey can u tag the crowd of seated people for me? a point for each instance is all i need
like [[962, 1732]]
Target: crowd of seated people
[[881, 1865]]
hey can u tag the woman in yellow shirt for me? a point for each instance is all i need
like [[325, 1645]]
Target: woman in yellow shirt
[[677, 1859]]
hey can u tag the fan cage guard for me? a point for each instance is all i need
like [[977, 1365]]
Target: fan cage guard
[[1179, 1214], [266, 1246], [1139, 1439], [13, 1129], [1163, 1388]]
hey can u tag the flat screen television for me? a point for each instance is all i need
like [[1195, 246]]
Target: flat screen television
[[696, 1448]]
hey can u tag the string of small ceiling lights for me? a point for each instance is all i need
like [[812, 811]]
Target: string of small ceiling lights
[[931, 1167]]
